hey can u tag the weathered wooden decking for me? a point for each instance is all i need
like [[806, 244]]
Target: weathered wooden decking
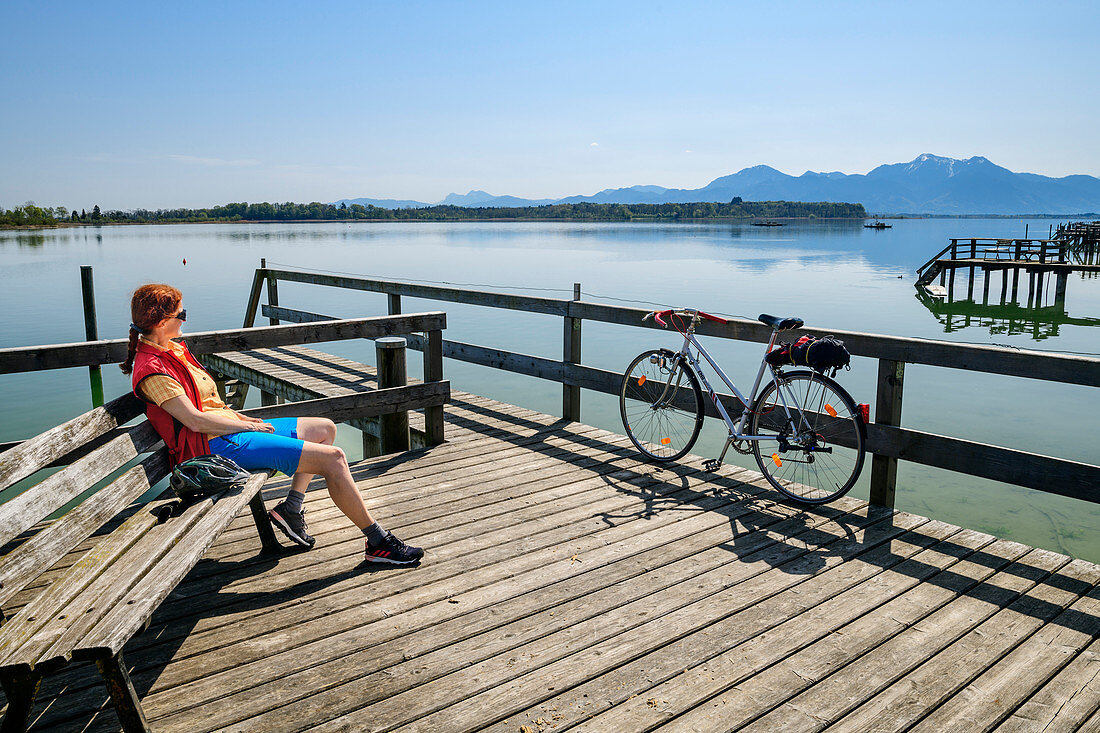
[[568, 585]]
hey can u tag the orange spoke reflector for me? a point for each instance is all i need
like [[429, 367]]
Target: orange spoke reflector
[[641, 380], [775, 458], [666, 441], [829, 409]]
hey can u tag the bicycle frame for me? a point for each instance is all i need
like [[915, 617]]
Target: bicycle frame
[[736, 431]]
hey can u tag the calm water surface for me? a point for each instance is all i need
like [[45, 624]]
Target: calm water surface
[[832, 274]]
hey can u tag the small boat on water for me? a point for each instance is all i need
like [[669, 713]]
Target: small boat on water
[[877, 225], [768, 223]]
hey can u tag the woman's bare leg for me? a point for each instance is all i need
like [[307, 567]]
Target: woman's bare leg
[[312, 430], [331, 462]]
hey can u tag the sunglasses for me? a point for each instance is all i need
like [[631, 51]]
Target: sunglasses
[[182, 315]]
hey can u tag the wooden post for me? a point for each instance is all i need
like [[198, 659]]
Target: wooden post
[[1015, 283], [884, 470], [973, 249], [250, 317], [1060, 289], [970, 284], [272, 292], [1004, 285], [268, 542], [21, 690], [122, 692], [954, 249], [390, 351], [394, 304], [433, 372], [951, 287], [571, 354], [985, 286], [1039, 289], [91, 331]]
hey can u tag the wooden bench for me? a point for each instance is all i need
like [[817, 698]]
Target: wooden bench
[[89, 610]]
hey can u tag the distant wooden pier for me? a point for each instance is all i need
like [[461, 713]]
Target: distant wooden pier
[[1037, 258]]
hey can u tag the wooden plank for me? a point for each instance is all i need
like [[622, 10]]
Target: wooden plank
[[59, 356], [28, 508], [1064, 703], [586, 585], [602, 642], [126, 558], [655, 687], [40, 451], [33, 557], [999, 690], [830, 698], [527, 303], [950, 578], [542, 528], [26, 625], [362, 404], [916, 694], [124, 620]]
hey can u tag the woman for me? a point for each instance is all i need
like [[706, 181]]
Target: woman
[[184, 407]]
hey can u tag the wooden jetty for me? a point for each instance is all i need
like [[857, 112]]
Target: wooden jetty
[[569, 585], [1038, 258]]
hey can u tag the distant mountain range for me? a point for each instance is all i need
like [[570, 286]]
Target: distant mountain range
[[928, 184]]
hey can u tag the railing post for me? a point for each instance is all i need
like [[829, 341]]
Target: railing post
[[394, 303], [884, 469], [267, 398], [571, 354], [272, 292], [390, 351], [250, 317], [433, 372], [91, 331]]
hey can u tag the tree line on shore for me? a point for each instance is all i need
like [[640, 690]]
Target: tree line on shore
[[31, 215]]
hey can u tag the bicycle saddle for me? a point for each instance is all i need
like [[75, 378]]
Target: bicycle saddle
[[780, 324]]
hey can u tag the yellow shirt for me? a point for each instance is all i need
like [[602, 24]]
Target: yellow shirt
[[160, 388]]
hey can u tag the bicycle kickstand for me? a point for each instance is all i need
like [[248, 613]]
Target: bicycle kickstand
[[713, 464]]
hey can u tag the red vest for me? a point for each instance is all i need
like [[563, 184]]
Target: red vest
[[182, 443]]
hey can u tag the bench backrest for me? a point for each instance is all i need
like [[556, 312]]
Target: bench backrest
[[100, 446]]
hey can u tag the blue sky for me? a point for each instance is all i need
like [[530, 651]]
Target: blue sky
[[155, 105]]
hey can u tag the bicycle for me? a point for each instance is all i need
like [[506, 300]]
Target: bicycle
[[805, 431]]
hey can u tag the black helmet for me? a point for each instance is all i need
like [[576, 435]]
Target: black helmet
[[206, 475]]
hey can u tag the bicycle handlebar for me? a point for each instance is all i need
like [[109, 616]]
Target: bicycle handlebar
[[657, 315]]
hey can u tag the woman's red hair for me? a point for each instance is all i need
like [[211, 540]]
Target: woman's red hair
[[149, 305]]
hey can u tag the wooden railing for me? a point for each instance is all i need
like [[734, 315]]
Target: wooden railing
[[1031, 250], [430, 395], [887, 439]]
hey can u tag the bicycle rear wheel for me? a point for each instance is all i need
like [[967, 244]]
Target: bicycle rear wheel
[[818, 451], [661, 405]]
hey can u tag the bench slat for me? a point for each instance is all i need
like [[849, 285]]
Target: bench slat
[[131, 612], [71, 590], [46, 497], [120, 563], [39, 553], [42, 450]]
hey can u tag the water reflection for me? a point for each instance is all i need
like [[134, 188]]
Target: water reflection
[[1035, 314]]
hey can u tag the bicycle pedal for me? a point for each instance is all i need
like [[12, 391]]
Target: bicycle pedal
[[712, 464]]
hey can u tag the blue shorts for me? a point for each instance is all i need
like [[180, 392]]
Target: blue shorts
[[251, 450]]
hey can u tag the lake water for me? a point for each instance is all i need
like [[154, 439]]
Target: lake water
[[833, 274]]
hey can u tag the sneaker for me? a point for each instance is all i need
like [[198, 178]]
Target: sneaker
[[393, 551], [292, 524]]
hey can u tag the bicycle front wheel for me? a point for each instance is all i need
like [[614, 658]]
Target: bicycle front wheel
[[816, 449], [661, 405]]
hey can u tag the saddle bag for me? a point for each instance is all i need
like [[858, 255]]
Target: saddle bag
[[820, 354]]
